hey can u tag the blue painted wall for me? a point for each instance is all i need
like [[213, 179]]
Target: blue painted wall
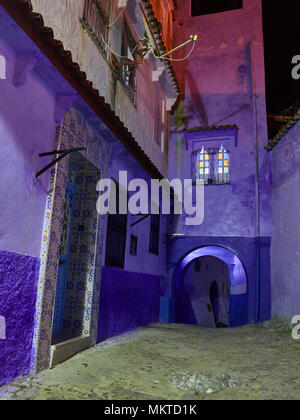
[[127, 300], [285, 250], [18, 288]]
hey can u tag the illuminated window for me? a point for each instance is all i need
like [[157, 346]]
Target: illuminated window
[[203, 168], [211, 166], [222, 167]]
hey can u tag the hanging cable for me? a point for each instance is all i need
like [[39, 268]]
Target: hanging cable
[[167, 58], [181, 59], [162, 57], [117, 18], [116, 54]]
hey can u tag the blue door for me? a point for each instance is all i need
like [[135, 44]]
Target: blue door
[[58, 318]]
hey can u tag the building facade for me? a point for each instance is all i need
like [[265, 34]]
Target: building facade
[[69, 276], [218, 135]]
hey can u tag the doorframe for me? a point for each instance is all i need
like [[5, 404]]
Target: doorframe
[[72, 132]]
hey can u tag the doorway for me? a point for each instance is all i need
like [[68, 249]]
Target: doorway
[[206, 290], [77, 254], [199, 301]]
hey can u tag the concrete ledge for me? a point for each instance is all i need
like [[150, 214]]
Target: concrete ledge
[[67, 349]]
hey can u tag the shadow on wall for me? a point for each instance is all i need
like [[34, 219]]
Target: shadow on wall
[[211, 289]]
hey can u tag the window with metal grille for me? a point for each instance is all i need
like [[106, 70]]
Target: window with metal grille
[[116, 237], [212, 166], [206, 7], [96, 20], [125, 46], [154, 234]]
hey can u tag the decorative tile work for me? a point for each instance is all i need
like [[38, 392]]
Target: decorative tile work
[[82, 259], [73, 132]]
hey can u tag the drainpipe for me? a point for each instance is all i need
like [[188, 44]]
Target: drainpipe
[[257, 188]]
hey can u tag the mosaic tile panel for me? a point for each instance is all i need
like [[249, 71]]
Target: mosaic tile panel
[[73, 132]]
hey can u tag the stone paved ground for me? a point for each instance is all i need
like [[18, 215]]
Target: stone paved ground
[[175, 362]]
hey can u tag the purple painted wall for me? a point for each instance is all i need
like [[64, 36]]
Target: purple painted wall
[[27, 128], [127, 300], [18, 287], [221, 78], [285, 249], [224, 83]]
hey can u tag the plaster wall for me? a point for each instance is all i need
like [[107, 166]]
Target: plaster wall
[[285, 248], [23, 111], [18, 286], [64, 17]]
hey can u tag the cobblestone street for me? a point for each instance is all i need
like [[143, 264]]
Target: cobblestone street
[[174, 362]]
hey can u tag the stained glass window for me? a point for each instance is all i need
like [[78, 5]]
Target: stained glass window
[[222, 166], [203, 168], [211, 165]]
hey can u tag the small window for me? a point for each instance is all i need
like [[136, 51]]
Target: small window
[[133, 245], [125, 46], [212, 166], [207, 7], [116, 237], [154, 234], [96, 20]]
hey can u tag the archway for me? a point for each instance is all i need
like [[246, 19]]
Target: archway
[[207, 303]]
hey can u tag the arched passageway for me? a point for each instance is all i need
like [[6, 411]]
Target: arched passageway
[[211, 288]]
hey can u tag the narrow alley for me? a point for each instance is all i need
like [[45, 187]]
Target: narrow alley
[[149, 200]]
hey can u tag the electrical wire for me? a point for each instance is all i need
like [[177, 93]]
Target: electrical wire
[[148, 42], [108, 47], [181, 59], [117, 18], [116, 54], [170, 59]]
